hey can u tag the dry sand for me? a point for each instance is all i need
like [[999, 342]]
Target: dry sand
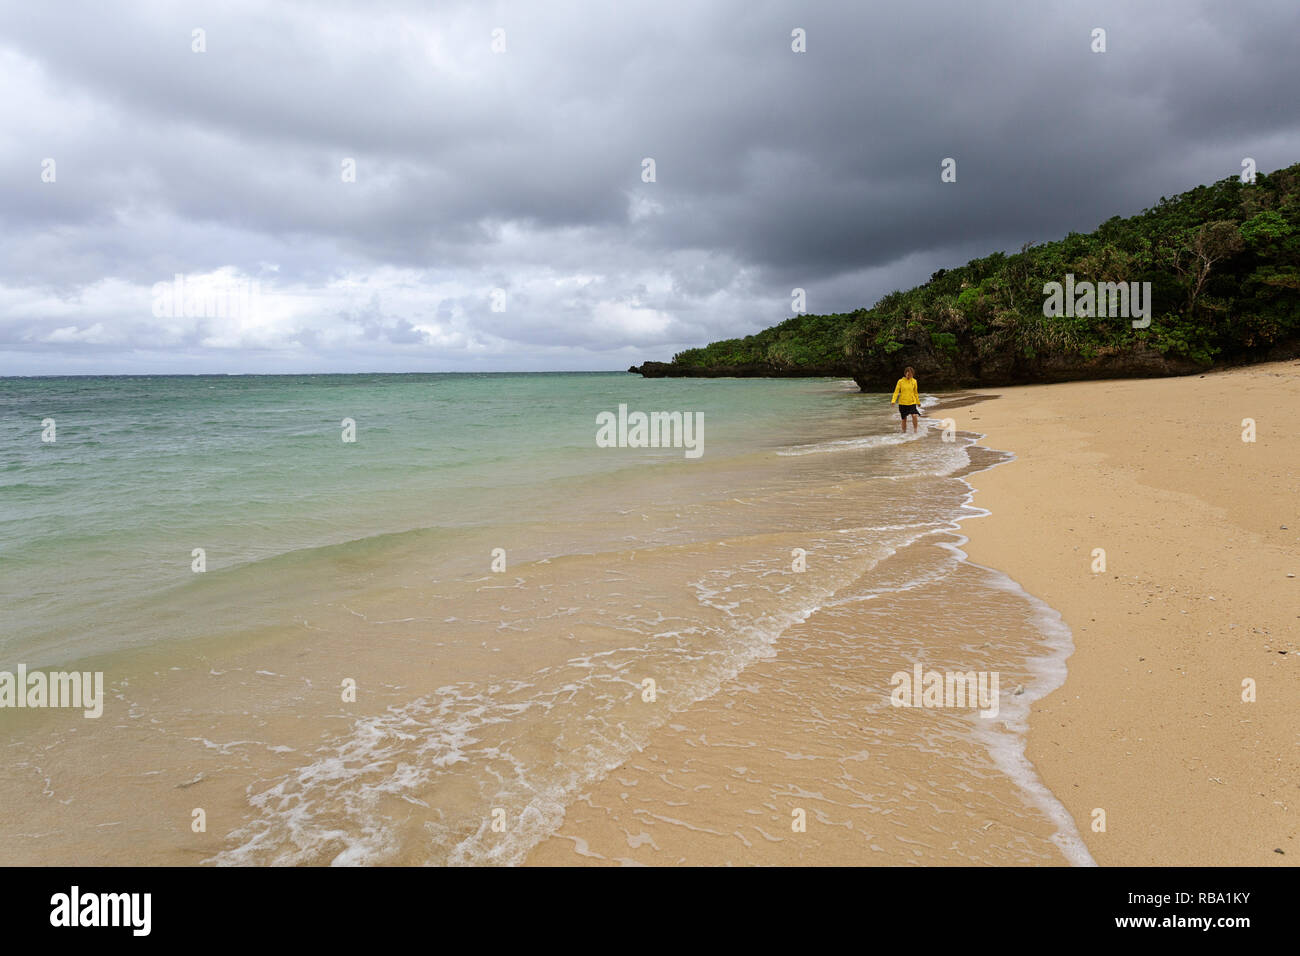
[[1200, 531]]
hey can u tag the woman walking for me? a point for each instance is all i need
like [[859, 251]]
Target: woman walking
[[908, 398]]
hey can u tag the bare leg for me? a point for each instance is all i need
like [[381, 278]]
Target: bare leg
[[903, 422], [915, 419]]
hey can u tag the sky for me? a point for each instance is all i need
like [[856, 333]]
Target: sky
[[426, 186]]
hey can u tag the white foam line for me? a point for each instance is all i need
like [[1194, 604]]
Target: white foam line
[[1008, 749]]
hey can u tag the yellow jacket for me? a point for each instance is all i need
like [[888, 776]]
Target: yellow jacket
[[906, 392]]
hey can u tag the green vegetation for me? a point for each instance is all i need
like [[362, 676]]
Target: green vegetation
[[1224, 266], [806, 341]]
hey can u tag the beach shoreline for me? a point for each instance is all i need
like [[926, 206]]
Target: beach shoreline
[[1152, 734], [1148, 744], [885, 785], [768, 602]]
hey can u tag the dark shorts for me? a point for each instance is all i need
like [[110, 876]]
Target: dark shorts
[[905, 410]]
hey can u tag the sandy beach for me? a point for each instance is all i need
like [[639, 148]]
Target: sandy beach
[[1199, 530], [1200, 593]]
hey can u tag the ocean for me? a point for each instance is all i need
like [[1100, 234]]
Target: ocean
[[410, 619]]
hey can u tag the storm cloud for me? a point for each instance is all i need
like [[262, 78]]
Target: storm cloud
[[499, 218]]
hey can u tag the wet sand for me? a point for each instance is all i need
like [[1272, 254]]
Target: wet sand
[[802, 759]]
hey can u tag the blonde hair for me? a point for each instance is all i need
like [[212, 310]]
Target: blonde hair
[[909, 369]]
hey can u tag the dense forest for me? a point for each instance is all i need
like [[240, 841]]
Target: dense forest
[[1223, 263]]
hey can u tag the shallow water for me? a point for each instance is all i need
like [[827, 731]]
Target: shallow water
[[485, 700]]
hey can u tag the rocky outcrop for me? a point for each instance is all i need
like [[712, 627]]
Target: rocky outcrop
[[943, 370]]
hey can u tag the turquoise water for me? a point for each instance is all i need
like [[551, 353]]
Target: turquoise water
[[143, 470]]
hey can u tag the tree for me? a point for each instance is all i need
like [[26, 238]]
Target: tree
[[1200, 250]]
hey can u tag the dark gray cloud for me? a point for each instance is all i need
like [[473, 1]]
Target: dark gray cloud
[[521, 171]]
